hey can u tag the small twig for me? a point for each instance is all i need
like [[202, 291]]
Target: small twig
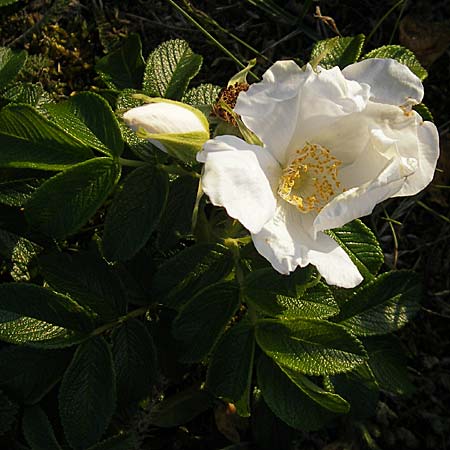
[[327, 20]]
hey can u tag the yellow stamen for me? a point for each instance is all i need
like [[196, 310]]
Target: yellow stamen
[[311, 179]]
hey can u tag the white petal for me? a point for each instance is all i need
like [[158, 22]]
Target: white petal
[[390, 82], [162, 117], [240, 177], [286, 243], [291, 105], [426, 152], [360, 201], [270, 108]]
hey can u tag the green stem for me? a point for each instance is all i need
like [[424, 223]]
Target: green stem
[[383, 19], [131, 162], [431, 210], [178, 170], [119, 321]]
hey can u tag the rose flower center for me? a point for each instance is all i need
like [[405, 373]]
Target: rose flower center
[[310, 180]]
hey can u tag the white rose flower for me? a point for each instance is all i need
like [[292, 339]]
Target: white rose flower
[[336, 143], [173, 127]]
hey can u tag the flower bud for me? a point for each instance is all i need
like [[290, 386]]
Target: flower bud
[[173, 127]]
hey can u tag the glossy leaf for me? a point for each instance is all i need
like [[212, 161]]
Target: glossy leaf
[[169, 69], [37, 333], [135, 363], [180, 408], [278, 295], [88, 118], [327, 400], [64, 203], [312, 347], [202, 319], [29, 140], [382, 306], [360, 389], [361, 245], [18, 192], [198, 266], [231, 364], [87, 395], [124, 67], [31, 93], [402, 55], [317, 302], [387, 361], [337, 51], [176, 220], [287, 401], [8, 412], [135, 213], [88, 279], [122, 441], [20, 252], [38, 430], [11, 61], [262, 287], [28, 374], [42, 304]]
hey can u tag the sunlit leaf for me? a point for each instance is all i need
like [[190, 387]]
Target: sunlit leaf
[[169, 69]]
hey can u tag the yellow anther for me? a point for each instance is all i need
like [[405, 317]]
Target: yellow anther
[[311, 179]]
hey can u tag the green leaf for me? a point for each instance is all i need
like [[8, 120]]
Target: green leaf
[[382, 306], [18, 192], [388, 363], [20, 252], [279, 295], [87, 279], [202, 320], [135, 213], [180, 408], [31, 93], [11, 61], [202, 97], [37, 333], [360, 389], [423, 110], [8, 412], [309, 346], [29, 140], [196, 267], [88, 118], [402, 55], [169, 69], [64, 203], [134, 356], [38, 431], [176, 220], [231, 365], [42, 304], [263, 287], [327, 400], [337, 51], [361, 245], [287, 401], [28, 374], [268, 431], [87, 395], [121, 441], [317, 302], [123, 68]]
